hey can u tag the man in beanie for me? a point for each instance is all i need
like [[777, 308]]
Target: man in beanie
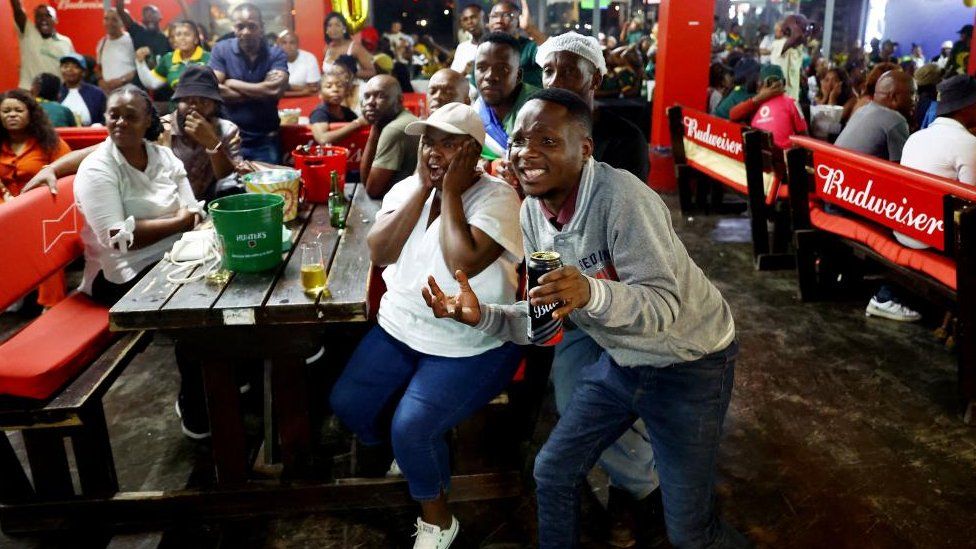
[[947, 148], [779, 115], [575, 63], [943, 58]]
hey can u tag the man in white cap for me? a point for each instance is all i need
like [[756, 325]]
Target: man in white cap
[[575, 63], [446, 217], [943, 58], [41, 47]]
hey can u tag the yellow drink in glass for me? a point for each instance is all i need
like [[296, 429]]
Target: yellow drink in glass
[[313, 278]]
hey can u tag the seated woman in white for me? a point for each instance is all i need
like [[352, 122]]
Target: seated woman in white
[[134, 195], [447, 217]]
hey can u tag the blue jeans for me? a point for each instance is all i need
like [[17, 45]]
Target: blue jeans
[[629, 460], [262, 148], [437, 394], [683, 407]]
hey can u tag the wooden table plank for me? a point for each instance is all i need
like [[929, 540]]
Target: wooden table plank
[[139, 308], [288, 302], [194, 300], [349, 275]]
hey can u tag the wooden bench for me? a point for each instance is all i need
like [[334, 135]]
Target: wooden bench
[[877, 198], [54, 371], [707, 148]]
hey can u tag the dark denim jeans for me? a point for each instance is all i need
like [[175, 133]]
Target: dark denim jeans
[[437, 394], [261, 148], [683, 407]]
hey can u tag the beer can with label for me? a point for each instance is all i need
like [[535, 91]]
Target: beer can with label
[[543, 329]]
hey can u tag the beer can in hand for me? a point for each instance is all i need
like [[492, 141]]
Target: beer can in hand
[[543, 329]]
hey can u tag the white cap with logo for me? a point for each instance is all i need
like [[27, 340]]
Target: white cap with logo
[[456, 118]]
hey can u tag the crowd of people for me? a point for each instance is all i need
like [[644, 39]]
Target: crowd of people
[[874, 102], [514, 157]]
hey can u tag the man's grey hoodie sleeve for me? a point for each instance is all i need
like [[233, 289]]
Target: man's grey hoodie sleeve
[[647, 298]]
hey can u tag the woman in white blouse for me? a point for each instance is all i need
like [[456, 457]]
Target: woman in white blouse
[[134, 195]]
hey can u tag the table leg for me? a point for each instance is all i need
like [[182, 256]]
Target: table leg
[[226, 424], [93, 453], [290, 393], [14, 486], [48, 462], [271, 450]]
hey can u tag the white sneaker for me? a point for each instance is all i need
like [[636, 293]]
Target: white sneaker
[[432, 537], [394, 470], [892, 310]]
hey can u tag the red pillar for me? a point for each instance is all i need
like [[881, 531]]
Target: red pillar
[[683, 57], [972, 55]]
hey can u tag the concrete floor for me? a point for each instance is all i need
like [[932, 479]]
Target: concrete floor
[[843, 432]]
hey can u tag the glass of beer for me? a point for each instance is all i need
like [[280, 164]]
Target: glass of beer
[[313, 269]]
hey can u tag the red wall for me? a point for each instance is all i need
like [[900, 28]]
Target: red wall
[[683, 56], [83, 25]]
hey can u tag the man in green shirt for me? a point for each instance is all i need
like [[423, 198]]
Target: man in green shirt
[[508, 17], [502, 90], [390, 155]]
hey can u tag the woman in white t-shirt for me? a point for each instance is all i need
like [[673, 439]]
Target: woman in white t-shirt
[[135, 197], [447, 217]]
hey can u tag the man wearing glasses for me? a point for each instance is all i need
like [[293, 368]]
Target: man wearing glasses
[[508, 17]]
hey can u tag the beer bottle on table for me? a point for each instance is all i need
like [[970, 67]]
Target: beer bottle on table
[[337, 204]]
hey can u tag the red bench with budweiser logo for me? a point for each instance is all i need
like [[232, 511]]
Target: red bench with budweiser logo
[[54, 371], [878, 199], [707, 148]]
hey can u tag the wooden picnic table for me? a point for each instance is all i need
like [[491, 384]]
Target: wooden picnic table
[[268, 316], [260, 316]]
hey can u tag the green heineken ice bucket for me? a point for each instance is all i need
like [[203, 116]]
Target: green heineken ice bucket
[[248, 227]]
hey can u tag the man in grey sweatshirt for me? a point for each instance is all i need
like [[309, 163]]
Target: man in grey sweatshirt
[[667, 335]]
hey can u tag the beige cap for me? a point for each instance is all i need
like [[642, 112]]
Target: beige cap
[[456, 118]]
